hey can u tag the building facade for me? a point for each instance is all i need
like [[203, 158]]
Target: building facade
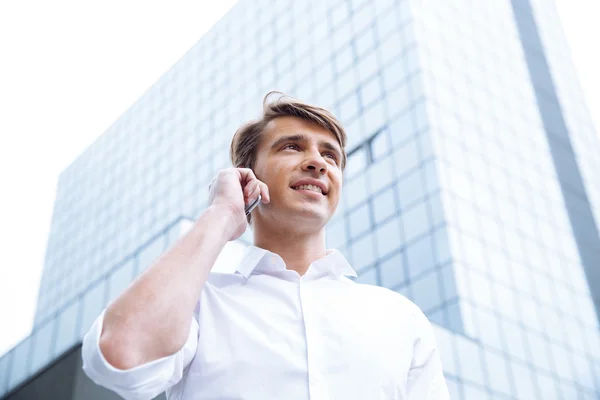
[[469, 187]]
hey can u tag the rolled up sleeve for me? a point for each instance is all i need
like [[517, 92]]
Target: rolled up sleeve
[[425, 378], [144, 381]]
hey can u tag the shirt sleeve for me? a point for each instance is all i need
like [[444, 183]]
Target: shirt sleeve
[[425, 378], [143, 382]]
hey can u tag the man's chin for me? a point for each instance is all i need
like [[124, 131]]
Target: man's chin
[[308, 215]]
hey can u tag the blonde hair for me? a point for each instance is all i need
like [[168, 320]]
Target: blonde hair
[[246, 139]]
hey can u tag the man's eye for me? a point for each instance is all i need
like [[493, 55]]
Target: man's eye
[[331, 155], [290, 146]]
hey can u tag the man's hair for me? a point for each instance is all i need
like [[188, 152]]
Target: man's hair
[[246, 139]]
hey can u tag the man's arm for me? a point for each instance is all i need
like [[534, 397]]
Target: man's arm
[[151, 318]]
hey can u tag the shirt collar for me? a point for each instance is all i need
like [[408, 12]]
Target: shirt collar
[[257, 259]]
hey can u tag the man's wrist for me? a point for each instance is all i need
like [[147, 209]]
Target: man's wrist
[[223, 215]]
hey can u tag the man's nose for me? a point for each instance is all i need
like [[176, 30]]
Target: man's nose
[[315, 162]]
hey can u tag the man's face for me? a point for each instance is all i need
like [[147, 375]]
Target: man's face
[[301, 164]]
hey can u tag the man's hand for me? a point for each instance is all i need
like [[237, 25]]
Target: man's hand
[[231, 190]]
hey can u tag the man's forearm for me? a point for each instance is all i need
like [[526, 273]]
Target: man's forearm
[[151, 319]]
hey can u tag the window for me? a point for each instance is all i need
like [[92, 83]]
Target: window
[[363, 253], [388, 237], [392, 271], [420, 257], [357, 162], [368, 277], [384, 205], [369, 151], [379, 144], [360, 221], [427, 291]]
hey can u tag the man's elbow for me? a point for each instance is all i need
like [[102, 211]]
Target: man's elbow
[[118, 354], [124, 354]]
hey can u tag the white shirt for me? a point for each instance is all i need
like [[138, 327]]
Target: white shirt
[[265, 332]]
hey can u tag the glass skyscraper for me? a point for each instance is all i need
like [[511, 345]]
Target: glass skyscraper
[[469, 187]]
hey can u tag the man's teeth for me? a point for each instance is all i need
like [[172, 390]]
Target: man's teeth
[[309, 187]]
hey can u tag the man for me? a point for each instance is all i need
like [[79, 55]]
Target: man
[[288, 324]]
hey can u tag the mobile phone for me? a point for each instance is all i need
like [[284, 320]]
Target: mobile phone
[[253, 205]]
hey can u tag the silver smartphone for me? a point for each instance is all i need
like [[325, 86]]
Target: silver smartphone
[[253, 205]]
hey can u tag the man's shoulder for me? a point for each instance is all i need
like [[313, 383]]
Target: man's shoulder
[[224, 279], [386, 297]]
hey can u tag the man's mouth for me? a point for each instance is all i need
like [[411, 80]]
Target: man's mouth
[[312, 188]]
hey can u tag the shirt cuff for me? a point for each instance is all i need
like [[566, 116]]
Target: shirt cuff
[[143, 381]]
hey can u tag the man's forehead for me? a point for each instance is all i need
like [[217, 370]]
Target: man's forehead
[[292, 126]]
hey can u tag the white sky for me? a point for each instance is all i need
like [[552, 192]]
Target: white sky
[[69, 69]]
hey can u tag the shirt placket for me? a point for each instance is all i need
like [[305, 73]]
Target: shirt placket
[[317, 386]]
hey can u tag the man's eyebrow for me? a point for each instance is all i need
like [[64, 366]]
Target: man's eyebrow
[[331, 147], [299, 137], [290, 138]]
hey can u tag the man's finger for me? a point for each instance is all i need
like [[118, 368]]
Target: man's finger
[[251, 187], [264, 191], [246, 174]]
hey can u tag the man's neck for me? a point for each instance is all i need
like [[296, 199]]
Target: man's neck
[[297, 250]]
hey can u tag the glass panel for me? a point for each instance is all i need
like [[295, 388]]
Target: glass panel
[[402, 126], [360, 221], [349, 107], [367, 67], [370, 91], [406, 158], [356, 191], [497, 367], [94, 301], [515, 341], [43, 341], [67, 327], [454, 388], [475, 393], [384, 205], [363, 252], [489, 328], [420, 257], [410, 188], [427, 292], [390, 48], [388, 237], [120, 279], [356, 162], [524, 381], [562, 359], [365, 42], [455, 320], [4, 368], [471, 367], [336, 234], [392, 271], [437, 316], [150, 253], [415, 222], [381, 174], [393, 73], [548, 386], [380, 145], [374, 117], [20, 362], [368, 277], [442, 247], [178, 230]]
